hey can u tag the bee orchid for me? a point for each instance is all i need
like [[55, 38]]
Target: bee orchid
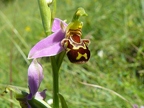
[[65, 37]]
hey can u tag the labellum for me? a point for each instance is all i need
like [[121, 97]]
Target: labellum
[[76, 48]]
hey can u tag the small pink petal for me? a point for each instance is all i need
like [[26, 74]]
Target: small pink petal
[[41, 95], [48, 46], [35, 76], [57, 24]]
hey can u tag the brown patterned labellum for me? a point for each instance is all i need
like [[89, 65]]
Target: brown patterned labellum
[[76, 48]]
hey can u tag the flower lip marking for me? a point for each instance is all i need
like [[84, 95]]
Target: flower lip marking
[[76, 48], [81, 55]]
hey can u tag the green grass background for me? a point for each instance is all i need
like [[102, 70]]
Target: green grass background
[[115, 28]]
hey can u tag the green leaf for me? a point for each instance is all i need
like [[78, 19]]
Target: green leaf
[[63, 102], [20, 95], [38, 103]]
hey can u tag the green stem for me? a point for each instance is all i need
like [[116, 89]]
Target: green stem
[[55, 61], [55, 82]]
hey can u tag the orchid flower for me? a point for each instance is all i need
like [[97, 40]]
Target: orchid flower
[[33, 99], [65, 37], [35, 76]]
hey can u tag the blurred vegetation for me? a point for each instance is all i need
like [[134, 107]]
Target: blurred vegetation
[[115, 28]]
